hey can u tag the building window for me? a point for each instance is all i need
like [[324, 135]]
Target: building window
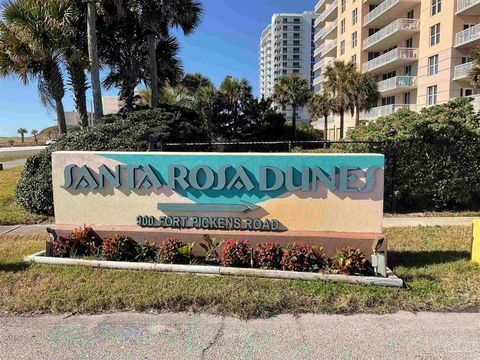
[[354, 16], [354, 39], [432, 95], [342, 47], [344, 5], [433, 65], [354, 58], [436, 6], [466, 92], [342, 26], [434, 35]]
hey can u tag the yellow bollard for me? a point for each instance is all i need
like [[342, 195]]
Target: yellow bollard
[[476, 242]]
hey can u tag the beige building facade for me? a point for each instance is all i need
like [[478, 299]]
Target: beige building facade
[[419, 50]]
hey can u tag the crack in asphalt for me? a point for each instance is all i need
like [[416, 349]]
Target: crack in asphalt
[[217, 337]]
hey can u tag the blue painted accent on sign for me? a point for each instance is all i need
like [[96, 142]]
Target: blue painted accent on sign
[[251, 163]]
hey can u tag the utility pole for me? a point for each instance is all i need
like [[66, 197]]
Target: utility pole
[[93, 57]]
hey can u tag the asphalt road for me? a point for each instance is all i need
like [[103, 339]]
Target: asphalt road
[[190, 336]]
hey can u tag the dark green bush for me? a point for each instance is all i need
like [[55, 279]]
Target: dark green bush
[[431, 157], [111, 133]]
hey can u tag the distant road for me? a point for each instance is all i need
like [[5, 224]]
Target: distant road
[[18, 150]]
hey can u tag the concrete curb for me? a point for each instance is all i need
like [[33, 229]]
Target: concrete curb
[[390, 281]]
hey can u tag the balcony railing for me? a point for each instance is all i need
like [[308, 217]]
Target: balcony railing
[[319, 35], [329, 28], [379, 10], [397, 25], [463, 71], [318, 80], [465, 4], [470, 34], [318, 51], [327, 47], [328, 11], [319, 5], [389, 57], [397, 82], [380, 111]]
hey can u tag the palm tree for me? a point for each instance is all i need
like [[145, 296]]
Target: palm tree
[[364, 92], [157, 17], [195, 81], [29, 43], [474, 74], [35, 135], [207, 100], [338, 84], [236, 94], [292, 91], [22, 132], [320, 106], [93, 58]]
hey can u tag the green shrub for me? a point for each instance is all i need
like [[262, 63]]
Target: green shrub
[[303, 257], [111, 133], [268, 255], [431, 158], [236, 253], [81, 242], [119, 248], [174, 251], [147, 252], [349, 261]]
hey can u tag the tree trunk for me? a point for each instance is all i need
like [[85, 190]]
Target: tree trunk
[[325, 131], [342, 124], [78, 80], [23, 137], [294, 122], [357, 116], [152, 55], [62, 123], [94, 67]]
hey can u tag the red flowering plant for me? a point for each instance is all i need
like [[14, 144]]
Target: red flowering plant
[[237, 253], [81, 242], [119, 248], [303, 257], [349, 261], [268, 255], [174, 251]]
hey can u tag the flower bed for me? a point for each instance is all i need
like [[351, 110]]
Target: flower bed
[[234, 253]]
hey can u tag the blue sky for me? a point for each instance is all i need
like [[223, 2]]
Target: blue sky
[[226, 43]]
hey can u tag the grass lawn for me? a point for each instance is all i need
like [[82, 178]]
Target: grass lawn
[[433, 261], [10, 212]]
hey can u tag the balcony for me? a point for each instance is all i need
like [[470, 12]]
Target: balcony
[[318, 80], [318, 36], [318, 65], [397, 84], [329, 48], [386, 110], [461, 72], [468, 38], [468, 7], [328, 32], [328, 15], [391, 60], [391, 34], [388, 11], [318, 51], [320, 6]]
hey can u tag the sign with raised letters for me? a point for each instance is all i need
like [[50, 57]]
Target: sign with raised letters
[[218, 191]]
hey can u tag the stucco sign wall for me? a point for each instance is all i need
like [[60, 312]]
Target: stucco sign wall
[[218, 191]]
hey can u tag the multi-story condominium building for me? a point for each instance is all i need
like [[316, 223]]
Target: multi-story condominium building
[[419, 50], [286, 48]]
